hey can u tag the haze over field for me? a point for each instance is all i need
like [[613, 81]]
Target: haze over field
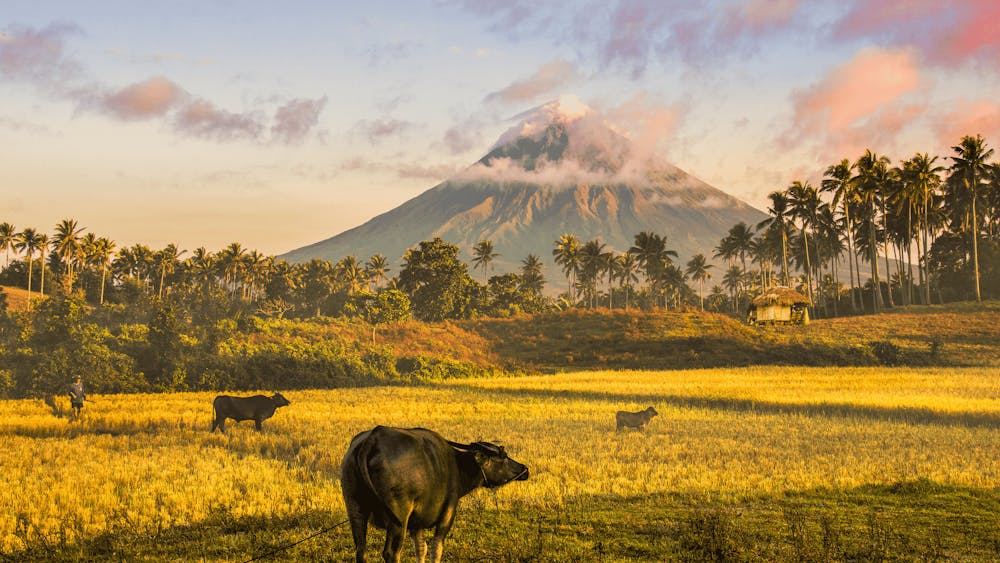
[[205, 123]]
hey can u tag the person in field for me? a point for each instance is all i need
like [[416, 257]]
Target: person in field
[[77, 394]]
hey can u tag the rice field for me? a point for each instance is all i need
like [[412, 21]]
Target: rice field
[[750, 464]]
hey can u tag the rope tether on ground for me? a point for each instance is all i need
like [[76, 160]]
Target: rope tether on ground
[[291, 545]]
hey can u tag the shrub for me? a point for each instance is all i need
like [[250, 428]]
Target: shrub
[[885, 352]]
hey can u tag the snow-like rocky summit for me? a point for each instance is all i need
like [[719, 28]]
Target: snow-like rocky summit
[[564, 110]]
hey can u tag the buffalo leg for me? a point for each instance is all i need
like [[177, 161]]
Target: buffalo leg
[[220, 423], [359, 531], [419, 545], [393, 542], [257, 423]]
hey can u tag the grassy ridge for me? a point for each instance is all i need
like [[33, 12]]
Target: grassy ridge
[[787, 464]]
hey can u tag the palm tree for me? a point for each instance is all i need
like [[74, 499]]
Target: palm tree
[[483, 255], [100, 253], [804, 202], [732, 281], [627, 268], [780, 221], [230, 263], [201, 264], [592, 264], [8, 238], [742, 241], [377, 269], [167, 260], [28, 242], [531, 274], [257, 266], [651, 251], [697, 270], [66, 243], [869, 184], [567, 255], [838, 181], [351, 273], [970, 168], [921, 181]]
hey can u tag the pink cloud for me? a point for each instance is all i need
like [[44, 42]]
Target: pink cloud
[[294, 120], [969, 117], [761, 14], [647, 121], [152, 97], [38, 56], [201, 118], [547, 79], [378, 130], [855, 90], [946, 32]]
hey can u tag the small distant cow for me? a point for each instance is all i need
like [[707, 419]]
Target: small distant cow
[[257, 408], [625, 419], [409, 480]]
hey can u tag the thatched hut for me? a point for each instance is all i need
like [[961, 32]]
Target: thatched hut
[[779, 305]]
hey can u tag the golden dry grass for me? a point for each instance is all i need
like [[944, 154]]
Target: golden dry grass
[[149, 463]]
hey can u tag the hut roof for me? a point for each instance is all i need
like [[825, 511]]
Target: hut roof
[[780, 296]]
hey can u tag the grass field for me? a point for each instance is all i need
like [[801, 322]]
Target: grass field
[[755, 464]]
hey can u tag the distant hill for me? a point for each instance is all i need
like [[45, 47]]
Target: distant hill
[[17, 297], [562, 169], [961, 334]]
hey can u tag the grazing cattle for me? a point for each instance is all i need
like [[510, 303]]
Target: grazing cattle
[[625, 419], [410, 480], [257, 408]]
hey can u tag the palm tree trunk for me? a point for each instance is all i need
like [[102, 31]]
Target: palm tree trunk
[[924, 259], [104, 270], [975, 240], [850, 254]]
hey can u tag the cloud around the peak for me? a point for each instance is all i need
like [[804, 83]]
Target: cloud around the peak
[[40, 58], [551, 77]]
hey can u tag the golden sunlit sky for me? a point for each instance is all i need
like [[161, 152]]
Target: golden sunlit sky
[[279, 124]]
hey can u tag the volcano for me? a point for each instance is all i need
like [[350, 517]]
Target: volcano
[[561, 169]]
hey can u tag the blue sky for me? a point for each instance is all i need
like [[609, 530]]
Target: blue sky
[[276, 125]]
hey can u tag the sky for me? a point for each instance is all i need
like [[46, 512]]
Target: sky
[[279, 124]]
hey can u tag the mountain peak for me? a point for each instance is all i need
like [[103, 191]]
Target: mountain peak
[[533, 123]]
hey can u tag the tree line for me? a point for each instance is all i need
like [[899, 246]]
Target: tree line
[[920, 231]]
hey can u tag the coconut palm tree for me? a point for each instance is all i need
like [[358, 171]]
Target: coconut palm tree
[[837, 180], [377, 269], [531, 274], [780, 222], [66, 243], [567, 255], [201, 264], [651, 251], [697, 270], [482, 256], [28, 242], [100, 254], [804, 204], [733, 280], [627, 268], [8, 238], [167, 259], [970, 168], [869, 184], [921, 182], [593, 260]]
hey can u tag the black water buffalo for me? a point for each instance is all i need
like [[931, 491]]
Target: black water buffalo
[[411, 479], [257, 408], [625, 419]]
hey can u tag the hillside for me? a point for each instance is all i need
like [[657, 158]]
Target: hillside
[[953, 335], [17, 297]]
